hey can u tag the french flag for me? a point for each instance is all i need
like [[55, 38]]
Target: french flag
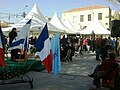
[[2, 43], [43, 46]]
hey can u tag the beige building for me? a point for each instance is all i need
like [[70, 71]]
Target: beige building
[[82, 17]]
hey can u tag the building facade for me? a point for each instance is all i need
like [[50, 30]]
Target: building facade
[[82, 17]]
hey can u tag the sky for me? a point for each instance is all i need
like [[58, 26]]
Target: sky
[[47, 7]]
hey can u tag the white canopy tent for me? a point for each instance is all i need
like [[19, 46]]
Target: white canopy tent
[[96, 27], [58, 23], [69, 25], [38, 21]]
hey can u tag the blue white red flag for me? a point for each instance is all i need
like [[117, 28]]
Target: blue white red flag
[[43, 46], [55, 45], [2, 43], [21, 41]]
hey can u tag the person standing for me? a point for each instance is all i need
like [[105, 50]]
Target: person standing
[[93, 44], [84, 44], [113, 44], [97, 47], [118, 46], [12, 35]]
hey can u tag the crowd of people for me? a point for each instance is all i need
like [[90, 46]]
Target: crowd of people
[[98, 45], [105, 49]]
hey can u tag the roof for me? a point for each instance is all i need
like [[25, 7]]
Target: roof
[[38, 21], [86, 8], [59, 24], [96, 27]]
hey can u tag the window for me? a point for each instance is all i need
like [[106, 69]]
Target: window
[[74, 19], [89, 17], [99, 16], [81, 18]]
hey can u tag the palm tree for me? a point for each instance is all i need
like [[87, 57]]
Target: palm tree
[[116, 15]]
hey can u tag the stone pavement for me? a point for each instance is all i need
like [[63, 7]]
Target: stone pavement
[[73, 76]]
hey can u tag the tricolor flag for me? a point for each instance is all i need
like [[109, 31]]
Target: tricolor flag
[[21, 41], [2, 43], [55, 45], [43, 46]]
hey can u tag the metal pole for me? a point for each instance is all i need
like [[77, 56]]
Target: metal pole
[[24, 14]]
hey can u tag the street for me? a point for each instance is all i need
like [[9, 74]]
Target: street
[[73, 76]]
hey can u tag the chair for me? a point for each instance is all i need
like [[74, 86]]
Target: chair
[[114, 83], [108, 83]]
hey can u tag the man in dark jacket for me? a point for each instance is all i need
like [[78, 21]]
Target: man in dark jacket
[[12, 35]]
